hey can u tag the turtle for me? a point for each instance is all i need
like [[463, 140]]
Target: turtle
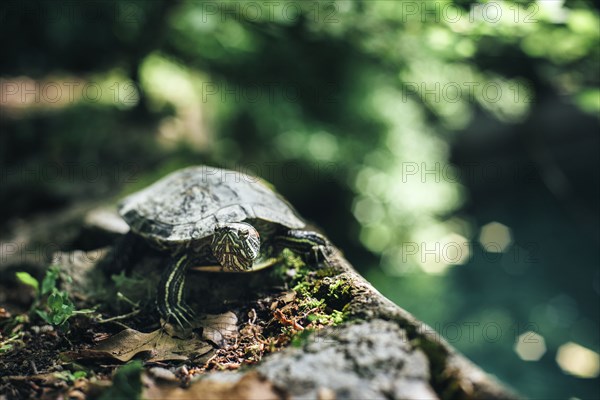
[[225, 220]]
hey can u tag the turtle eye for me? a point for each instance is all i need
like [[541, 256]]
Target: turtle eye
[[244, 233]]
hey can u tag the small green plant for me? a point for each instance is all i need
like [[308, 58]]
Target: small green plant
[[53, 305], [127, 383], [60, 308], [69, 376], [48, 283]]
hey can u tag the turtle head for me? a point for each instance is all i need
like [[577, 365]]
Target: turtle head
[[235, 246]]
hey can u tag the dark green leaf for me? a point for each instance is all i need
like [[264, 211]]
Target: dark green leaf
[[44, 316], [58, 319], [50, 279], [55, 301]]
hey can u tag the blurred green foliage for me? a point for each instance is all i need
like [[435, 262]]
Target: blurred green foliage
[[401, 128]]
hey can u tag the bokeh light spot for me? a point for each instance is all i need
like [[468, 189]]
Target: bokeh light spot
[[495, 237], [578, 360], [530, 346], [323, 146]]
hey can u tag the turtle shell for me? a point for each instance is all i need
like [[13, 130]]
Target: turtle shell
[[188, 204]]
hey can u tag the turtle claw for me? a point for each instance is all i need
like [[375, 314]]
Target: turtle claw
[[183, 315]]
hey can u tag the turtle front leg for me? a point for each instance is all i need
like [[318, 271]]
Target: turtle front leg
[[305, 243], [169, 299]]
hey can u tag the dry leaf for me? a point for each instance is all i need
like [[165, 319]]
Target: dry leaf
[[288, 297], [163, 346], [128, 343], [279, 316], [219, 328]]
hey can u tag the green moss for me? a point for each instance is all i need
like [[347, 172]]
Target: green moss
[[340, 286], [336, 317], [291, 266], [292, 260], [327, 272], [299, 339], [323, 296]]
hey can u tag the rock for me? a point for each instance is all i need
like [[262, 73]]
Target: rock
[[32, 243], [369, 360], [107, 220], [163, 373]]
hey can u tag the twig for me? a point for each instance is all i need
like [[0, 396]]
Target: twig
[[11, 339], [118, 317]]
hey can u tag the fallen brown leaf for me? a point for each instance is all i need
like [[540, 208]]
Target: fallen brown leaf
[[128, 343], [219, 328]]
